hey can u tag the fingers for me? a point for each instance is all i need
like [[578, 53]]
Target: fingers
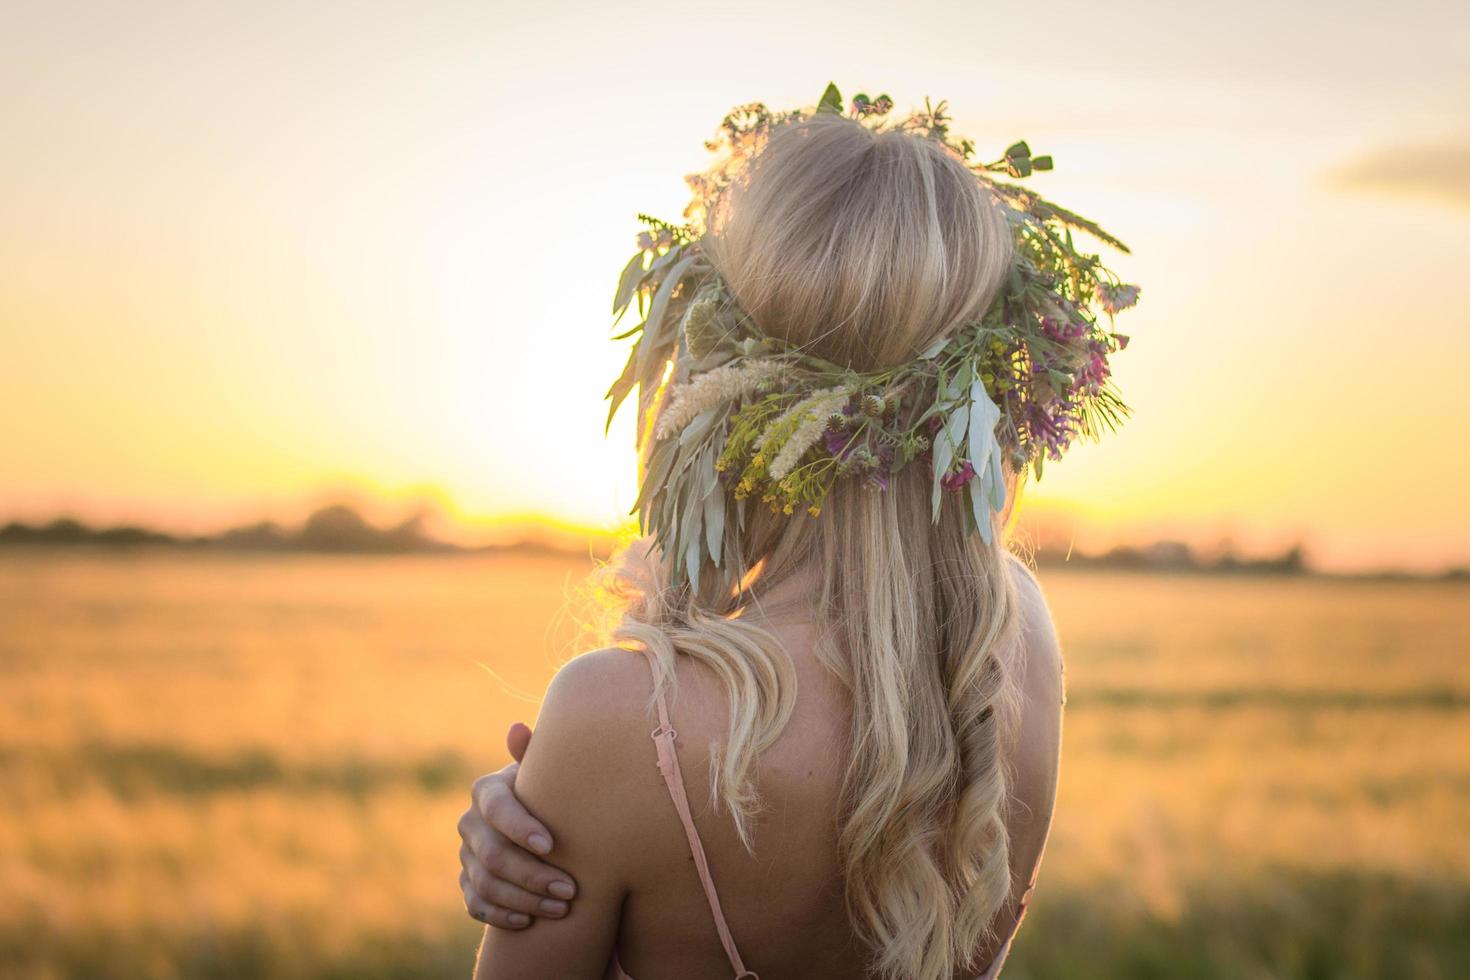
[[500, 892], [517, 739], [496, 801], [504, 859], [522, 882], [491, 915]]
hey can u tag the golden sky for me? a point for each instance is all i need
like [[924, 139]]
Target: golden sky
[[256, 254]]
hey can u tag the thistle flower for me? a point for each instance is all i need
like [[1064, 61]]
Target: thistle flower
[[705, 391], [813, 412], [701, 332], [874, 406]]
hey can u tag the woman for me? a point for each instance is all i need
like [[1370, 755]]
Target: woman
[[853, 691]]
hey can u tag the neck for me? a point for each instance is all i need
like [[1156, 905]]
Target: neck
[[793, 597]]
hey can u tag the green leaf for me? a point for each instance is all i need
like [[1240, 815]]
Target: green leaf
[[621, 387], [943, 454], [656, 474], [955, 428], [698, 427], [654, 339], [978, 510], [627, 333], [1019, 167], [627, 283], [1018, 151], [988, 486], [997, 481], [934, 349], [831, 100], [655, 325], [948, 440], [1041, 163], [714, 521], [690, 522]]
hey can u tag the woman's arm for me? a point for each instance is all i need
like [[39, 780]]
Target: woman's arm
[[585, 774], [505, 883]]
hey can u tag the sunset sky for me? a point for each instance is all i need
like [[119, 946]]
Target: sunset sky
[[254, 256]]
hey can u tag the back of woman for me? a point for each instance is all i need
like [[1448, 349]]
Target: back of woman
[[823, 739]]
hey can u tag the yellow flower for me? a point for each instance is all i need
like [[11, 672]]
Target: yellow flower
[[788, 509], [759, 460], [814, 510], [720, 465]]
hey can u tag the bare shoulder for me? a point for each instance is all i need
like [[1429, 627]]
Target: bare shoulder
[[597, 688], [1036, 754], [586, 771], [1040, 652], [585, 775]]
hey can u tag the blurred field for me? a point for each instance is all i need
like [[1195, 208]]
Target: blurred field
[[224, 766]]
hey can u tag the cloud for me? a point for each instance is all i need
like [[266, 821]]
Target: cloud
[[1429, 171]]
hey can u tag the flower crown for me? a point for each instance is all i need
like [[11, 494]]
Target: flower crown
[[750, 417]]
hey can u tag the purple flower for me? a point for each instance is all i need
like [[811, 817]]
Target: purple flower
[[1052, 430], [837, 442], [1062, 331], [1094, 371], [954, 481]]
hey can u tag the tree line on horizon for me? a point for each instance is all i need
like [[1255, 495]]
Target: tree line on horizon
[[334, 529], [341, 529]]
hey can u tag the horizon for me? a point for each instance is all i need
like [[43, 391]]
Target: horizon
[[431, 533], [260, 259]]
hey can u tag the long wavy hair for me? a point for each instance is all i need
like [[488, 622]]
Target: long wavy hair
[[865, 247]]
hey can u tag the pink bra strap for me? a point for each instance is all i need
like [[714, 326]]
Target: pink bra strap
[[668, 766]]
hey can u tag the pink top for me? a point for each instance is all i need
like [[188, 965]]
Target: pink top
[[668, 766]]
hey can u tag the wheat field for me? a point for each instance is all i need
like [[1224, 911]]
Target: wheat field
[[225, 766]]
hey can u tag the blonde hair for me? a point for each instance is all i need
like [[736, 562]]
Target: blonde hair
[[865, 247]]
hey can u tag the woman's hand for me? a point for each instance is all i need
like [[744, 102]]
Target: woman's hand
[[504, 883]]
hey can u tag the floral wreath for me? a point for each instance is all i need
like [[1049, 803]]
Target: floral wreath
[[750, 417]]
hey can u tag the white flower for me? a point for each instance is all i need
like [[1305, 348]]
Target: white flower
[[712, 388], [1115, 299], [815, 412]]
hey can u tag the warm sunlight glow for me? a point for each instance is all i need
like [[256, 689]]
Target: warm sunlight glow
[[244, 277]]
